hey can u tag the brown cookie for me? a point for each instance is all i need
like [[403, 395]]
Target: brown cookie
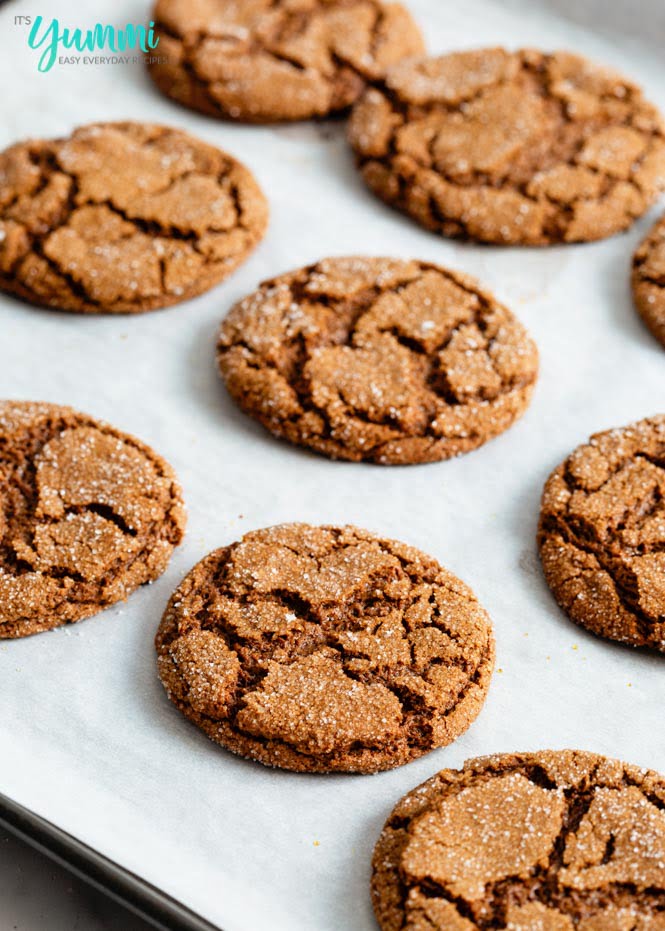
[[649, 280], [511, 147], [549, 841], [602, 534], [380, 360], [87, 514], [263, 61], [321, 649], [123, 218]]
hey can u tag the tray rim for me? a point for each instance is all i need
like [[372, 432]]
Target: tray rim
[[150, 903]]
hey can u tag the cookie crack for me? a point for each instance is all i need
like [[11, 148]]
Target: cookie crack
[[540, 884], [107, 512], [349, 314], [72, 289], [67, 593], [23, 476], [286, 24], [555, 223], [554, 525], [320, 627]]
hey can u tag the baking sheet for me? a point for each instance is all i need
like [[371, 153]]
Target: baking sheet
[[87, 737], [139, 898]]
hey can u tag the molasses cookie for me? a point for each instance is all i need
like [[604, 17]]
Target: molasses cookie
[[261, 61], [87, 514], [123, 218], [323, 649], [649, 280], [602, 534], [549, 841], [519, 147], [380, 360]]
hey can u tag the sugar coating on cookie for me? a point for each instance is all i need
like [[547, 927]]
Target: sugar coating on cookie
[[322, 649], [263, 61], [602, 534], [548, 841], [123, 218], [511, 147], [380, 360], [87, 514], [649, 280]]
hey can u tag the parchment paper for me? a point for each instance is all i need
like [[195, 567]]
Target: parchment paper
[[87, 736]]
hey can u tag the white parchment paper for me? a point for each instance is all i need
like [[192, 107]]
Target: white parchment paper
[[87, 737]]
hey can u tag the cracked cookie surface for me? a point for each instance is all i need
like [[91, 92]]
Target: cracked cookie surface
[[378, 359], [87, 514], [123, 218], [321, 649], [263, 61], [649, 280], [511, 147], [548, 841], [602, 534]]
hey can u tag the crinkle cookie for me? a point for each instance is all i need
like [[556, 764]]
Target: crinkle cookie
[[262, 61], [522, 147], [381, 360], [602, 534], [549, 841], [87, 514], [322, 649], [123, 218], [649, 280]]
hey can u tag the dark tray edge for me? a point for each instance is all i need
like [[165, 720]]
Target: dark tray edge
[[134, 893]]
